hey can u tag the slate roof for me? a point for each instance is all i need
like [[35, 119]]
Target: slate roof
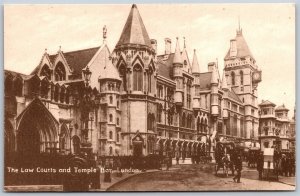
[[242, 47], [232, 95], [14, 74], [77, 60], [134, 31], [281, 107], [165, 67], [266, 103], [205, 79]]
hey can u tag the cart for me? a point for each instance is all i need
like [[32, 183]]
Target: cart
[[270, 171]]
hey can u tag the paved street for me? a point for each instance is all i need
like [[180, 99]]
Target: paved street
[[196, 178]]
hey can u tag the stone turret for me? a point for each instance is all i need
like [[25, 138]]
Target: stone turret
[[177, 74]]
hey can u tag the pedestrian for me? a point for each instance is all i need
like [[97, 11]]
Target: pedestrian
[[260, 165], [284, 165], [238, 167]]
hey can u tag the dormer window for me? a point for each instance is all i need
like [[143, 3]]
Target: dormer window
[[60, 72]]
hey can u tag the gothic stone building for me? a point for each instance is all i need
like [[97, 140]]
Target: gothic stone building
[[135, 101]]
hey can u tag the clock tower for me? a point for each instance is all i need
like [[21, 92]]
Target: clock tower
[[242, 75]]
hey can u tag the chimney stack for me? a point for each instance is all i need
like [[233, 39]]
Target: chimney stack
[[168, 43], [154, 45], [211, 66]]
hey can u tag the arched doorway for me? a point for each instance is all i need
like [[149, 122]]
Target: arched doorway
[[37, 130]]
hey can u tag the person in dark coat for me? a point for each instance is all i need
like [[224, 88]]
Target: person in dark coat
[[284, 164], [260, 164], [238, 167]]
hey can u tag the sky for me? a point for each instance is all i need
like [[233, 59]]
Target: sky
[[269, 30]]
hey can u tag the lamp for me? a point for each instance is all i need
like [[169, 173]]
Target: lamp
[[87, 75]]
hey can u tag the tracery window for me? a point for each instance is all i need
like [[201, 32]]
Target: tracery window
[[46, 72], [60, 72]]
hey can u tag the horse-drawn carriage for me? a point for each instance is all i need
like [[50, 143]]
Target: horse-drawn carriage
[[225, 154]]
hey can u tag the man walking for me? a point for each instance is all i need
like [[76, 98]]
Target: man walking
[[238, 167]]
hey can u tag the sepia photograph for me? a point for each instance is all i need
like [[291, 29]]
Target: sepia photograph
[[149, 97]]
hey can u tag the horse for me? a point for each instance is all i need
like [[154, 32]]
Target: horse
[[225, 163]]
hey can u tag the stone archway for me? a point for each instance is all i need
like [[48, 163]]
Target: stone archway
[[37, 130]]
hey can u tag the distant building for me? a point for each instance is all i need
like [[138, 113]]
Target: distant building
[[275, 126], [135, 102]]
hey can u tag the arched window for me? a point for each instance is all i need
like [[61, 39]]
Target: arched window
[[202, 125], [137, 78], [198, 125], [110, 135], [150, 72], [232, 78], [122, 71], [183, 120], [110, 118], [18, 87], [46, 72], [118, 137], [60, 72], [118, 121], [150, 121], [242, 77], [110, 150], [159, 113], [110, 99]]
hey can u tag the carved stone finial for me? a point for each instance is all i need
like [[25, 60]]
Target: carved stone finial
[[104, 33]]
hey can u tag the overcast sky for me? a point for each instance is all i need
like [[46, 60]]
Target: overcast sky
[[269, 30]]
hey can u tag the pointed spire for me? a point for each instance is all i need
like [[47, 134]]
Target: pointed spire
[[239, 31], [59, 49], [104, 34], [184, 46], [224, 82], [195, 65], [45, 51], [177, 56], [134, 31], [214, 76]]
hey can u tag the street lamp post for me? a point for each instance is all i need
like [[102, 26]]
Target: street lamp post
[[71, 129]]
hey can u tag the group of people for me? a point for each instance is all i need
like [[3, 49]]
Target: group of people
[[284, 164]]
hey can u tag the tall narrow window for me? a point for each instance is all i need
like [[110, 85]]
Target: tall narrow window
[[232, 78], [110, 100], [122, 71], [242, 77], [137, 78], [110, 118], [60, 72], [110, 135], [150, 80]]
